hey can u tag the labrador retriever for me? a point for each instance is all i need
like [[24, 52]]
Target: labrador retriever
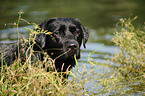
[[67, 36]]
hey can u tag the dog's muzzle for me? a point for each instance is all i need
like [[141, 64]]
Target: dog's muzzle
[[72, 47]]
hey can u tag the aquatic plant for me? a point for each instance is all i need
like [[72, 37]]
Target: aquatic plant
[[128, 76]]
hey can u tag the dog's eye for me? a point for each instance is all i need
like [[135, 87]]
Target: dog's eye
[[57, 33], [76, 32]]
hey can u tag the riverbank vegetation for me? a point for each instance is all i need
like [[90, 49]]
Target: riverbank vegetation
[[124, 71], [128, 76]]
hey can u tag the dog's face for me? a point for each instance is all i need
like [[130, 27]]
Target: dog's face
[[66, 38]]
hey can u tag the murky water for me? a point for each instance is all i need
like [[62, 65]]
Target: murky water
[[99, 16]]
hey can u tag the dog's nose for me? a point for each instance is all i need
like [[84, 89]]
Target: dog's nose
[[72, 46]]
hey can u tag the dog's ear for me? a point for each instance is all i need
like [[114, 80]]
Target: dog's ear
[[78, 54], [85, 33], [44, 25], [41, 37], [85, 36], [41, 40]]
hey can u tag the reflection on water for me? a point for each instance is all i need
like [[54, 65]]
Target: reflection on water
[[10, 35], [95, 71], [99, 16]]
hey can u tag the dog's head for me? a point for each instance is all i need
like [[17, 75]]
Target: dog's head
[[66, 38]]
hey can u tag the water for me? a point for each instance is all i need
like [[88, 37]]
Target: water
[[99, 16]]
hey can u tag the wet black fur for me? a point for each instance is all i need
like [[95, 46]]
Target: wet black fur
[[67, 34]]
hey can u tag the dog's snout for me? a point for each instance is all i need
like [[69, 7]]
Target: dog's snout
[[72, 46]]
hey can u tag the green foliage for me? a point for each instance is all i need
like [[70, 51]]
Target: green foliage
[[129, 75], [31, 77], [132, 53], [126, 70], [125, 75]]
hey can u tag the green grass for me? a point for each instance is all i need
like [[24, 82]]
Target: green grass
[[128, 77], [125, 77], [31, 77]]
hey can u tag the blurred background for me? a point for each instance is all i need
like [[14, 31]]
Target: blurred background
[[99, 16]]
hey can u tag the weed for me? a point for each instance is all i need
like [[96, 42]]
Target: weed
[[125, 75], [128, 76]]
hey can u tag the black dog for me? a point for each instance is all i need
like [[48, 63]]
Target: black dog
[[67, 35]]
